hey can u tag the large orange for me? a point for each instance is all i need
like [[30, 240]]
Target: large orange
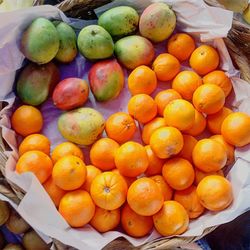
[[142, 107], [236, 129], [164, 97], [131, 159], [209, 155], [178, 173], [92, 172], [166, 142], [108, 190], [128, 180], [204, 59], [189, 200], [120, 127], [185, 83], [187, 150], [69, 172], [199, 175], [36, 162], [134, 224], [145, 197], [27, 120], [77, 208], [172, 219], [166, 67], [142, 80], [215, 192]]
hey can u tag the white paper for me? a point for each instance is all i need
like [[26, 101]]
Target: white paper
[[208, 23]]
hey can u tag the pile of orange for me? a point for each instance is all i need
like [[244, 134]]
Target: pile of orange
[[170, 178]]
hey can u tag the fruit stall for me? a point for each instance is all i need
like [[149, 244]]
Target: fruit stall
[[124, 124]]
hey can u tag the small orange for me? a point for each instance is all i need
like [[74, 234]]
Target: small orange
[[142, 80], [209, 155], [150, 127], [185, 83], [178, 173], [120, 127], [36, 162], [220, 79], [134, 224], [215, 121], [236, 129], [105, 220], [204, 59], [77, 208], [35, 142], [69, 172], [92, 172], [189, 200], [215, 192], [166, 67], [142, 107], [131, 159], [164, 97], [172, 219], [27, 120], [199, 175], [145, 197], [108, 190], [128, 180], [187, 150], [179, 114], [209, 99], [166, 142]]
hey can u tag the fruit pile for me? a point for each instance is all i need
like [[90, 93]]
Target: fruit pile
[[188, 135]]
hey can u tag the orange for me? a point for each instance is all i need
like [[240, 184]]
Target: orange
[[145, 197], [178, 173], [220, 79], [179, 114], [236, 129], [150, 127], [69, 172], [66, 148], [108, 190], [166, 142], [204, 59], [166, 190], [105, 220], [215, 121], [172, 219], [134, 224], [35, 142], [209, 155], [166, 67], [77, 208], [54, 191], [187, 150], [164, 97], [142, 80], [185, 83], [120, 127], [131, 159], [209, 99], [199, 175], [142, 107], [92, 172], [155, 164], [189, 200], [215, 192], [27, 120], [128, 180], [102, 153], [181, 46], [36, 162]]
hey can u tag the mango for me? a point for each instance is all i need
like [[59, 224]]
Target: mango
[[82, 126], [157, 22], [106, 79], [237, 6], [119, 21], [133, 51], [40, 41], [246, 14], [36, 82], [94, 42]]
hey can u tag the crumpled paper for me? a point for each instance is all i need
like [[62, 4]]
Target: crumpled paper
[[206, 23]]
